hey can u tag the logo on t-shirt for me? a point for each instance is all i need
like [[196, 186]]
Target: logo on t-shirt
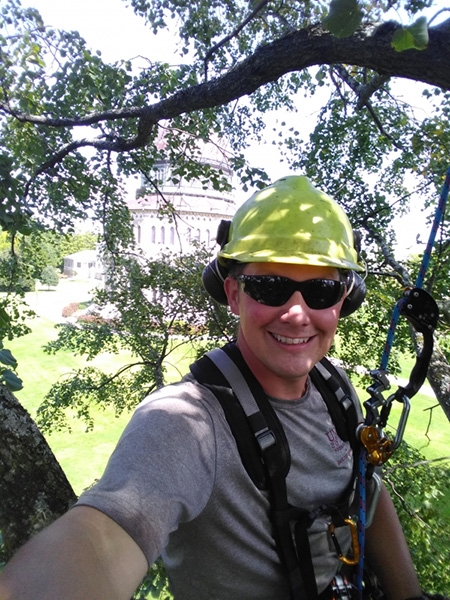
[[341, 449]]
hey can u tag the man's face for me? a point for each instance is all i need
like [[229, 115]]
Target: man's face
[[281, 344]]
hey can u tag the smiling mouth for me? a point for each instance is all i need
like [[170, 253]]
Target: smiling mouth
[[289, 340]]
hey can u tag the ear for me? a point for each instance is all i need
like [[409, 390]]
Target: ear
[[231, 287]]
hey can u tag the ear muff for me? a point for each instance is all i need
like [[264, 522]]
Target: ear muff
[[356, 293], [215, 273], [213, 277]]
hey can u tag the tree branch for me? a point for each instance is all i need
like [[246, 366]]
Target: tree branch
[[233, 34], [295, 51], [363, 93], [389, 258]]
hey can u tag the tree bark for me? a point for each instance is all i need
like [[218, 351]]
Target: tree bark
[[439, 378], [34, 490], [370, 47]]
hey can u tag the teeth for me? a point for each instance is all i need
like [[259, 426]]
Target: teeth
[[286, 340]]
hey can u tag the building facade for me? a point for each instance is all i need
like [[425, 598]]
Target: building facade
[[181, 214], [85, 264]]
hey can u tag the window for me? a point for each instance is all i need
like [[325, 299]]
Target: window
[[161, 174]]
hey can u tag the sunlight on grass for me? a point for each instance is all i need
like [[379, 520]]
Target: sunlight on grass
[[82, 454]]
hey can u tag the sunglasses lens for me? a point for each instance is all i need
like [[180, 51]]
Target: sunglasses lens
[[322, 293], [276, 291], [265, 289]]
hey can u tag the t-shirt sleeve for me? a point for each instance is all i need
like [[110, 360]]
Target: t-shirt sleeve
[[162, 471]]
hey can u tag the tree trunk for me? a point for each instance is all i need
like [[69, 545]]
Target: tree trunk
[[439, 378], [34, 490]]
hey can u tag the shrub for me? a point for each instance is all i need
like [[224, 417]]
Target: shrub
[[70, 309]]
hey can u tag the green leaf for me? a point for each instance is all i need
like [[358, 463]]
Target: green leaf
[[5, 319], [402, 40], [11, 381], [344, 18], [7, 358], [414, 36], [419, 31]]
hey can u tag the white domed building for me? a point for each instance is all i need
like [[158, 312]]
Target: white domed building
[[190, 212]]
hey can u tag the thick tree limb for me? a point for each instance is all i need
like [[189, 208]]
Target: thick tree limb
[[296, 51], [33, 488]]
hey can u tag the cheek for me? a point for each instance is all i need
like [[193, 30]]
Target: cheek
[[329, 320], [256, 315]]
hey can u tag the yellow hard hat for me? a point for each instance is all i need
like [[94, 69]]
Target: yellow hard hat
[[293, 222]]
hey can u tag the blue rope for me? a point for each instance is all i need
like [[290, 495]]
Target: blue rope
[[438, 217], [361, 520], [390, 336]]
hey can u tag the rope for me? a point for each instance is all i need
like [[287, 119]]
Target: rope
[[361, 520], [438, 218]]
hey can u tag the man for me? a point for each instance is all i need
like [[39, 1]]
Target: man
[[176, 485]]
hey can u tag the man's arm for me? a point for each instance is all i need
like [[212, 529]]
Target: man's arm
[[388, 554], [84, 554]]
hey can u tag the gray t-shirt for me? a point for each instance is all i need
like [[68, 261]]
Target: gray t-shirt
[[176, 484]]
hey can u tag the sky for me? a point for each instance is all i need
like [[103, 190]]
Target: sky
[[112, 27], [108, 25]]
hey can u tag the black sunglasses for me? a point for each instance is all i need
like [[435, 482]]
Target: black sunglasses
[[274, 290]]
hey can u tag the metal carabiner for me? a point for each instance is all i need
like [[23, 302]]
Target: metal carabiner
[[355, 544]]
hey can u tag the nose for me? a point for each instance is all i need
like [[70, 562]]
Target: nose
[[295, 308]]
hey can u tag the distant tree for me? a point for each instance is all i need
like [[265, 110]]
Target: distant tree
[[38, 250], [75, 242], [49, 277]]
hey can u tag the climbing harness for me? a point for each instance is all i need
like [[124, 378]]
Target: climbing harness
[[265, 454], [420, 309]]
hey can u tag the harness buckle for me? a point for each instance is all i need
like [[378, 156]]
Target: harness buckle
[[265, 438], [355, 544]]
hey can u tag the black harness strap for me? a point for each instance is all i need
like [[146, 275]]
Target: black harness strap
[[274, 450], [264, 449], [327, 378]]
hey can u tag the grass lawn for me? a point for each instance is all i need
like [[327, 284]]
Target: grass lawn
[[82, 454]]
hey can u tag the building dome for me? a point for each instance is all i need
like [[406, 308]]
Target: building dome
[[173, 215]]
